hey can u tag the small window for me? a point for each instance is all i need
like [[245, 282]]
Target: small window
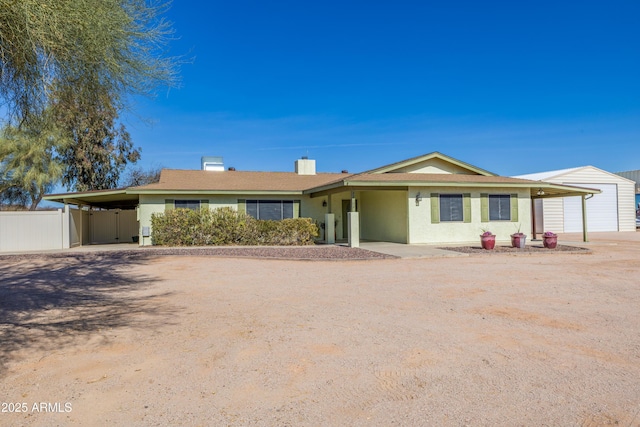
[[451, 208], [187, 204], [270, 209], [499, 207]]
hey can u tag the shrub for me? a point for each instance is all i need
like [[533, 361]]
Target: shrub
[[225, 226]]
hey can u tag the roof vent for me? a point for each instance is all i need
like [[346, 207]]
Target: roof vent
[[231, 169], [304, 166], [345, 171], [212, 163]]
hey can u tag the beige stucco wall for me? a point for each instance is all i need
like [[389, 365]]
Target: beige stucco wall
[[383, 216], [433, 166], [421, 230]]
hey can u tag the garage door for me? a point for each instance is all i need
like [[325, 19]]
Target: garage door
[[602, 210]]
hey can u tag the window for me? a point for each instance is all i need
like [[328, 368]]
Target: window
[[270, 209], [187, 204], [451, 207], [499, 207]]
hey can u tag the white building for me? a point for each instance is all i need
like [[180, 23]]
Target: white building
[[611, 210]]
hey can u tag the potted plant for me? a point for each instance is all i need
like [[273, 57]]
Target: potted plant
[[549, 240], [488, 240], [518, 239]]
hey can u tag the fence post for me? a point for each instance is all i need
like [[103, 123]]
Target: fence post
[[66, 229]]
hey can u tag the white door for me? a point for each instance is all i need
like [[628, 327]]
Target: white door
[[602, 210]]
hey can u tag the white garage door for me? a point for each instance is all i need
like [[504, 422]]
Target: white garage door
[[602, 210]]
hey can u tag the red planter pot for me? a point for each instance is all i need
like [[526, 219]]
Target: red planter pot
[[488, 242], [550, 242]]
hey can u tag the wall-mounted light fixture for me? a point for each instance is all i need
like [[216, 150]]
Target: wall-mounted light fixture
[[540, 192], [418, 199], [324, 203]]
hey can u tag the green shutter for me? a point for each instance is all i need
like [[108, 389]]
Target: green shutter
[[514, 208], [296, 208], [484, 207], [466, 207], [435, 208], [169, 205], [204, 204], [242, 205]]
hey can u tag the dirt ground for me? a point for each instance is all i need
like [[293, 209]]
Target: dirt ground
[[540, 339]]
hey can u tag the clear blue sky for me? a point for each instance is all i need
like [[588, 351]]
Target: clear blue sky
[[510, 87]]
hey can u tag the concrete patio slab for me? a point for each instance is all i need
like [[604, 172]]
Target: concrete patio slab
[[402, 250]]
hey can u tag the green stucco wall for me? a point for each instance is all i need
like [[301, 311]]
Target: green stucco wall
[[384, 216], [422, 230]]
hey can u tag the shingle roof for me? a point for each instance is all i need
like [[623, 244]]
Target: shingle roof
[[199, 180]]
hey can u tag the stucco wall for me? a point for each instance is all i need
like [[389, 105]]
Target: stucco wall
[[384, 216], [421, 230], [150, 204], [433, 166]]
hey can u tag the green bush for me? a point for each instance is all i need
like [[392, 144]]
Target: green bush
[[225, 226]]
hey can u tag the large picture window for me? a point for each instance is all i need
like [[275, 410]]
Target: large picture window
[[187, 204], [451, 208], [499, 207], [270, 209]]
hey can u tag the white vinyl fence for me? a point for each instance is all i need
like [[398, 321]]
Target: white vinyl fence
[[32, 231]]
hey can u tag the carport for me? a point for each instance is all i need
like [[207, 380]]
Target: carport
[[101, 217], [548, 190]]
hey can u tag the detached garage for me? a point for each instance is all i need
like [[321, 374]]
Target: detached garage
[[611, 210]]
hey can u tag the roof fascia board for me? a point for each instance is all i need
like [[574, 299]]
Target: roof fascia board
[[403, 185], [219, 192], [86, 194]]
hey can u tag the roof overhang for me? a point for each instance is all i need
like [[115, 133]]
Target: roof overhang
[[548, 190], [104, 199], [537, 189]]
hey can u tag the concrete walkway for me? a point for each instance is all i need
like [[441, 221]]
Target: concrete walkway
[[409, 251]]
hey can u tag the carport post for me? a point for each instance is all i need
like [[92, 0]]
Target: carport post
[[585, 238], [80, 227], [66, 229]]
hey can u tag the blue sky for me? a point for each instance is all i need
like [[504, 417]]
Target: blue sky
[[510, 87]]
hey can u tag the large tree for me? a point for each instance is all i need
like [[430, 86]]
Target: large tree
[[29, 166], [100, 147], [118, 44]]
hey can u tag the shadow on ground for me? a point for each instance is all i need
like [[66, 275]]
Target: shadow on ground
[[49, 302]]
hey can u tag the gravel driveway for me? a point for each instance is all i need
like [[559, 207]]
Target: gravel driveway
[[115, 339]]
